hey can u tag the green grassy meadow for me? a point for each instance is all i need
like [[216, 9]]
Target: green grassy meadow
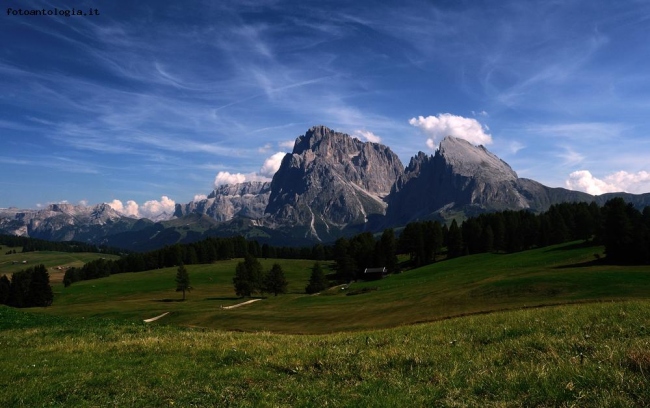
[[10, 263], [467, 285], [465, 332], [577, 355]]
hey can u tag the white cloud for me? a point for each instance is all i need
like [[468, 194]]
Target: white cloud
[[583, 180], [224, 177], [431, 144], [130, 209], [116, 205], [287, 145], [266, 172], [480, 113], [264, 148], [515, 147], [200, 197], [271, 165], [83, 203], [571, 157], [446, 124], [152, 209], [367, 136]]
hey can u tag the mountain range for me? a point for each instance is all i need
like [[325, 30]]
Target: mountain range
[[330, 185]]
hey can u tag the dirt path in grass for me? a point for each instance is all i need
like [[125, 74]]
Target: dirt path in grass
[[241, 304], [153, 319]]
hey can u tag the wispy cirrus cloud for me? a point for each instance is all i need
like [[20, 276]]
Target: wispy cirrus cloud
[[586, 131], [114, 93]]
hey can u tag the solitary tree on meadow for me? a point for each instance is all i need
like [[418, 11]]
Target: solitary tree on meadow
[[274, 281], [40, 291], [248, 277], [182, 280], [317, 280]]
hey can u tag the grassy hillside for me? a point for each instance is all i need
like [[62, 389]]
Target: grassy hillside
[[582, 355], [10, 263], [467, 285]]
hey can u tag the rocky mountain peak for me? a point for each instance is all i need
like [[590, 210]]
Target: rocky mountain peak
[[477, 162], [323, 141], [416, 163], [332, 180]]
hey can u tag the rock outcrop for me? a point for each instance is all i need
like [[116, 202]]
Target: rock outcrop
[[331, 182], [468, 179], [247, 200]]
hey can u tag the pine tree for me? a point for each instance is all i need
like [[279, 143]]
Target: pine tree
[[455, 244], [182, 280], [5, 287], [388, 250], [248, 277], [317, 280], [275, 281], [256, 273], [19, 289], [242, 282], [618, 231], [40, 291]]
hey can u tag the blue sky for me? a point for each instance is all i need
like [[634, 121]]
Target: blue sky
[[153, 102]]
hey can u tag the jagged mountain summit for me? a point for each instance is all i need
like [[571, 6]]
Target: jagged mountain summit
[[330, 185], [467, 179], [331, 182]]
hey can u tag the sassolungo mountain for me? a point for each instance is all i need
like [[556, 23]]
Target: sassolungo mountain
[[330, 185]]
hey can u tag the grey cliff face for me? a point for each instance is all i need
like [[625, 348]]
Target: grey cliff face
[[461, 177], [330, 182], [247, 200]]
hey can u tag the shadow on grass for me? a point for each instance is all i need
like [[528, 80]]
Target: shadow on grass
[[243, 299], [224, 298], [595, 262], [167, 300], [576, 245]]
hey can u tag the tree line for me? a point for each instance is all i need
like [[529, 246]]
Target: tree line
[[27, 288], [622, 229], [202, 252], [35, 244], [250, 278]]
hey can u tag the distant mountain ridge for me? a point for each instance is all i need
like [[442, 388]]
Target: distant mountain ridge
[[65, 222], [248, 199], [330, 185]]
